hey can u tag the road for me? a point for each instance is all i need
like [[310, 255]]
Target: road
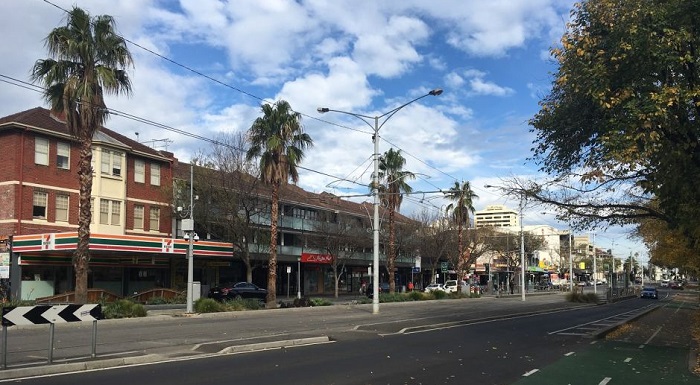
[[488, 342]]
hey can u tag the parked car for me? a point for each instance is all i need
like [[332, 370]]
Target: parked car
[[676, 285], [649, 292], [433, 287], [451, 286], [665, 282], [383, 288], [237, 291]]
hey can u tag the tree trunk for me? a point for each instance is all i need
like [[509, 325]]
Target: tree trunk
[[81, 256], [460, 259], [391, 258], [271, 302]]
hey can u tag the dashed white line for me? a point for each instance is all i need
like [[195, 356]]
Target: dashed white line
[[533, 371], [628, 359], [605, 381], [569, 353]]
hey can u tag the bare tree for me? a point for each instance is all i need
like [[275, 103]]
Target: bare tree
[[339, 236]]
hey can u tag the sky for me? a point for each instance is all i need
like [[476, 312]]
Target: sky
[[206, 67]]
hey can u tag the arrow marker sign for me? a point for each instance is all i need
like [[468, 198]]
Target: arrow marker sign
[[47, 314]]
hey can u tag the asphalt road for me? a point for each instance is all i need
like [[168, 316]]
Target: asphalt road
[[488, 341]]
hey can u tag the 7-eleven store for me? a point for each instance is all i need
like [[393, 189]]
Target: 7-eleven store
[[41, 264]]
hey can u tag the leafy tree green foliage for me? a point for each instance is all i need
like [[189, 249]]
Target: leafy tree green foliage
[[88, 59], [278, 141], [622, 116], [393, 183]]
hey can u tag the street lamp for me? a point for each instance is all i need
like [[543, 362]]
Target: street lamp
[[298, 277], [190, 236], [375, 180]]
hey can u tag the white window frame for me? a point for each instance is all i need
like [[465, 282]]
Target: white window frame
[[111, 163], [154, 215], [63, 152], [155, 174], [139, 211], [62, 205], [40, 199], [110, 212], [139, 171], [41, 151]]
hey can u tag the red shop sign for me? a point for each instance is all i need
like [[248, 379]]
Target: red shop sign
[[316, 258]]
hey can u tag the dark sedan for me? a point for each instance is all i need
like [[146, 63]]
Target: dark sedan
[[238, 290], [649, 292]]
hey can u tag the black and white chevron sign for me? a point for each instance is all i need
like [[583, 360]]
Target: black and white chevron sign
[[47, 314]]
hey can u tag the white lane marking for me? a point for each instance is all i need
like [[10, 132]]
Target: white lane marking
[[605, 381], [652, 337], [628, 359], [593, 342], [569, 353], [533, 371]]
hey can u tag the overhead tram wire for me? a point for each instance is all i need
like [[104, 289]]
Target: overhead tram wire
[[183, 66], [149, 122]]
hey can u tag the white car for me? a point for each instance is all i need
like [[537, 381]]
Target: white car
[[433, 287], [451, 286]]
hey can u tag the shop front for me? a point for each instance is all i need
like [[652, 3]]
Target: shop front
[[124, 265]]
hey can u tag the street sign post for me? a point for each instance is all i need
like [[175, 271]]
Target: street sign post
[[47, 314]]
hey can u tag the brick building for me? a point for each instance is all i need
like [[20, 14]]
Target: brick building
[[39, 195]]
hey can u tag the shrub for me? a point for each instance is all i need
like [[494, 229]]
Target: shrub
[[582, 297], [416, 296], [207, 305], [123, 308], [320, 302], [239, 304], [157, 301], [438, 294]]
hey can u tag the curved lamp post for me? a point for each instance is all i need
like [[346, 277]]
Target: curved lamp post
[[375, 179]]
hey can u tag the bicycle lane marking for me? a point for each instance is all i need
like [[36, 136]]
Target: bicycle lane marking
[[611, 361]]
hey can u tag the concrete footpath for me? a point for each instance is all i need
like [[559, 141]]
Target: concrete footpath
[[169, 333]]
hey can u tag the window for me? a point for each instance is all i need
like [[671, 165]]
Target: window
[[155, 219], [110, 212], [41, 151], [104, 212], [111, 163], [61, 208], [138, 217], [39, 204], [116, 212], [139, 171], [155, 174], [63, 155]]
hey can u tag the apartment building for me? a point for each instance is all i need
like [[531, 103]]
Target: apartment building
[[496, 216], [131, 244], [136, 238]]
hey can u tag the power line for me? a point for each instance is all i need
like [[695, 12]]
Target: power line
[[199, 73]]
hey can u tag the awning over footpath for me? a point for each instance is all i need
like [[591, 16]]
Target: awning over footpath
[[116, 243]]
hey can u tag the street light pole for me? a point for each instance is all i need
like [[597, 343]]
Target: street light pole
[[595, 269], [571, 263], [522, 251], [375, 181], [190, 247]]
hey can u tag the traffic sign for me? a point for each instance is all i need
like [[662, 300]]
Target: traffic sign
[[47, 314], [443, 267], [416, 269]]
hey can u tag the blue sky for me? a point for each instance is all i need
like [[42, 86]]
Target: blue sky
[[491, 58]]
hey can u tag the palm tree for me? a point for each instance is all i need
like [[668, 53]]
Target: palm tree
[[87, 59], [392, 186], [277, 138], [463, 197]]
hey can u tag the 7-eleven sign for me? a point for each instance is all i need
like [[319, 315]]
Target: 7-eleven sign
[[167, 245], [48, 242]]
